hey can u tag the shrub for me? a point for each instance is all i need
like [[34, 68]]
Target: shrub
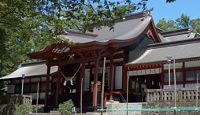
[[66, 107], [23, 109]]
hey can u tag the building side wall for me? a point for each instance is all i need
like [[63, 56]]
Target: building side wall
[[137, 50]]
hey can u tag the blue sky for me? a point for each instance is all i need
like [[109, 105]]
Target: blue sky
[[171, 11]]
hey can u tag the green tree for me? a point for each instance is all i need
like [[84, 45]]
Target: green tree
[[166, 25], [27, 25], [182, 22], [195, 24]]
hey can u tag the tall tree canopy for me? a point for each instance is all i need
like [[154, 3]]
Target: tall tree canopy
[[182, 22], [27, 25]]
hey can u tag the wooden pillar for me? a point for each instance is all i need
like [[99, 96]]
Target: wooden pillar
[[184, 75], [95, 85], [162, 77], [82, 76], [111, 78], [124, 78], [125, 75], [47, 85], [57, 87]]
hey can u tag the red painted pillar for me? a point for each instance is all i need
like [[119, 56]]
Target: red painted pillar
[[111, 78], [95, 85], [47, 86], [124, 78], [57, 87], [126, 70]]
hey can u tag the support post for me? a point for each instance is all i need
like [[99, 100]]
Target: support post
[[103, 84], [22, 89], [95, 85], [127, 92], [169, 59], [82, 76], [57, 87], [197, 93], [174, 64], [111, 77], [47, 86]]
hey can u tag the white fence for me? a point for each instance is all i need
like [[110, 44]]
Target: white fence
[[168, 95], [27, 99]]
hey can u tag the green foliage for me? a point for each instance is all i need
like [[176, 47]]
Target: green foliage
[[180, 23], [27, 25], [195, 24], [8, 104], [31, 25], [23, 109], [183, 21], [66, 108], [166, 25]]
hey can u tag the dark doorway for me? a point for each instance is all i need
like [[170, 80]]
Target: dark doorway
[[139, 84]]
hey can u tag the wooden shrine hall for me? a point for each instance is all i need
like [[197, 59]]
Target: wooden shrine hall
[[129, 36], [79, 73]]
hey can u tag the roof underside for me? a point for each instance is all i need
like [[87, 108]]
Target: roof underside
[[177, 51]]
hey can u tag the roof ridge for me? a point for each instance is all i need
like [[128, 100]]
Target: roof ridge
[[174, 43], [175, 32], [134, 15], [32, 63]]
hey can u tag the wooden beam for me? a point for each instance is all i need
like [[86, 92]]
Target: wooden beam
[[141, 67], [76, 61]]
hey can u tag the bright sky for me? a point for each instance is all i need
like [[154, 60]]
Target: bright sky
[[171, 11]]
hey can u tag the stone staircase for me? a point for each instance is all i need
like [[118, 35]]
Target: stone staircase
[[57, 113], [116, 108]]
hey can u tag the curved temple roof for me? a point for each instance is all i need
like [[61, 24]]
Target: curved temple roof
[[125, 32], [30, 70], [131, 27]]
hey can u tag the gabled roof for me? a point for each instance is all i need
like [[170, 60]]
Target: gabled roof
[[125, 33], [128, 28], [30, 70], [158, 53]]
